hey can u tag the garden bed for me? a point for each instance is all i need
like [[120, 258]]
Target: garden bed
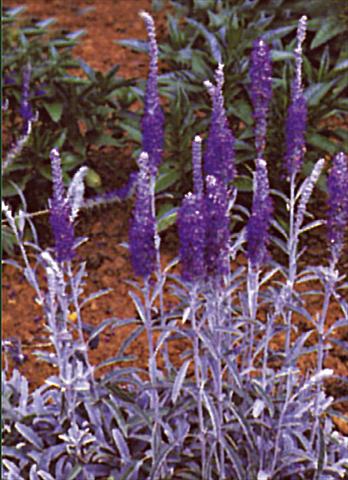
[[106, 228]]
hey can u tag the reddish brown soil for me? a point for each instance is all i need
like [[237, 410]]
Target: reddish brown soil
[[107, 262]]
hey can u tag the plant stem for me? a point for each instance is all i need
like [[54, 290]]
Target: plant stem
[[198, 370], [253, 292]]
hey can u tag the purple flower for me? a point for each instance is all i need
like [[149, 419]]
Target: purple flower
[[338, 203], [191, 226], [60, 213], [25, 109], [152, 123], [142, 228], [261, 91], [219, 154], [296, 120], [217, 227], [259, 221], [8, 80], [198, 185]]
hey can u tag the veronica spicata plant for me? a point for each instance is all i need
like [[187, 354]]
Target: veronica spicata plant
[[235, 405]]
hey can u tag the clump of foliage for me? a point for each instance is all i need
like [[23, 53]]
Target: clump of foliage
[[237, 406], [200, 34], [39, 87]]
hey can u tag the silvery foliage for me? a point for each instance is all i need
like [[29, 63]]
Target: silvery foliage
[[236, 406]]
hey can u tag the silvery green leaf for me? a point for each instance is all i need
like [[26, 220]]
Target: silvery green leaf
[[121, 444], [186, 314], [130, 339], [282, 245], [29, 434], [179, 380], [258, 408], [160, 459], [311, 225], [212, 412], [75, 472], [117, 414], [210, 37], [244, 424], [269, 275], [138, 305], [13, 469], [231, 450], [343, 322]]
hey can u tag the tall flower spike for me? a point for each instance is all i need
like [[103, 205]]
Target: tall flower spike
[[60, 213], [142, 228], [296, 120], [219, 154], [261, 91], [338, 204], [197, 166], [191, 226], [152, 123], [260, 219], [217, 227], [25, 109]]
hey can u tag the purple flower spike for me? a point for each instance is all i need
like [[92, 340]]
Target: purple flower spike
[[261, 91], [198, 185], [219, 154], [296, 120], [260, 219], [25, 109], [217, 227], [191, 225], [60, 213], [338, 204], [142, 228], [152, 123]]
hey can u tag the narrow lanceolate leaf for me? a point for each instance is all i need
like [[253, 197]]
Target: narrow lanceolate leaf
[[212, 412], [138, 305], [29, 435], [179, 380], [160, 459], [121, 444]]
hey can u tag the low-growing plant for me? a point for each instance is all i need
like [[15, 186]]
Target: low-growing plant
[[236, 405], [38, 85]]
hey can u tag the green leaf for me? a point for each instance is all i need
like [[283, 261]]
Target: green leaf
[[321, 142], [281, 55], [76, 35], [75, 472], [136, 45], [341, 66], [74, 81], [166, 219], [315, 92], [70, 161], [277, 33], [106, 140], [13, 12], [46, 23], [87, 69], [329, 30], [242, 110], [59, 142], [54, 109], [133, 132], [93, 179], [243, 183], [166, 179]]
